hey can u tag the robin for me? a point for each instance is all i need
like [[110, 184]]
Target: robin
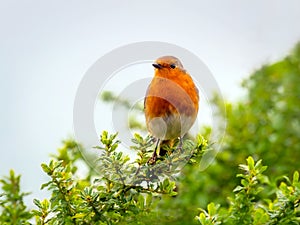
[[171, 102]]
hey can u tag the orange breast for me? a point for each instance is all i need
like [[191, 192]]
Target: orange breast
[[171, 96]]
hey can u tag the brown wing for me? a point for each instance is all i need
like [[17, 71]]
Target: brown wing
[[145, 99]]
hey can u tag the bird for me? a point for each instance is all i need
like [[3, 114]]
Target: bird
[[171, 102]]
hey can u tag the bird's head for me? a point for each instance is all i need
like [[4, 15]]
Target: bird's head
[[167, 64]]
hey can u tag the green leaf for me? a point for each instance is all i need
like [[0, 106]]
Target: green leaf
[[141, 202], [79, 216], [295, 177], [212, 209], [148, 200], [45, 204], [46, 184], [138, 138], [250, 162], [202, 218], [37, 203], [46, 168], [238, 188]]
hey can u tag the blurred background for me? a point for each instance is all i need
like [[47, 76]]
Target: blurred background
[[47, 46]]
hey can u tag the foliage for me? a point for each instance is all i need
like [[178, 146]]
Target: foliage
[[13, 209], [109, 201], [262, 127], [123, 192], [264, 124], [246, 207]]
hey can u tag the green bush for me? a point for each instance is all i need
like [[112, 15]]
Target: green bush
[[107, 199], [246, 206], [13, 209], [265, 124]]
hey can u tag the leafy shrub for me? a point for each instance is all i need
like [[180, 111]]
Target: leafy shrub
[[246, 207], [265, 124], [123, 192]]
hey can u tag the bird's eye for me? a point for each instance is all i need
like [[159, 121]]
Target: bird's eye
[[173, 66]]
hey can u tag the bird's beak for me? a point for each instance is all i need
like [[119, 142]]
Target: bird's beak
[[157, 66]]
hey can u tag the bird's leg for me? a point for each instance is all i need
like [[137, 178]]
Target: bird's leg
[[180, 144], [153, 158]]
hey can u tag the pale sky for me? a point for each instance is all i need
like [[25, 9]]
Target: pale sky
[[47, 46]]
